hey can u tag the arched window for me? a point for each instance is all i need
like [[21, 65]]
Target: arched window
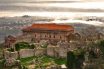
[[35, 35], [77, 36], [53, 36], [99, 35], [60, 37], [49, 36], [45, 36]]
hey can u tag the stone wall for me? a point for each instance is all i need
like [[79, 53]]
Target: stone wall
[[10, 61], [57, 51], [23, 39], [53, 51], [26, 53], [40, 51], [62, 52], [8, 54]]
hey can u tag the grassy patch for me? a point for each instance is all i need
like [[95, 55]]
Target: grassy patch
[[25, 61], [47, 59], [60, 61], [44, 59], [2, 63], [23, 45]]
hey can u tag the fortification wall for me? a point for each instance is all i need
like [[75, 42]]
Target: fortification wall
[[8, 54], [26, 53], [56, 51], [53, 51], [40, 51]]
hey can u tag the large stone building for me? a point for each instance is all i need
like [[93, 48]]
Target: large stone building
[[51, 32]]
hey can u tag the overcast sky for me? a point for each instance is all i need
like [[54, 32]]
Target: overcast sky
[[46, 0], [67, 7]]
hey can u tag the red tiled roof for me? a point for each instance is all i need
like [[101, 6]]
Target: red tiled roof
[[49, 26]]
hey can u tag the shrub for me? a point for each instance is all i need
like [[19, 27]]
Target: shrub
[[101, 46], [21, 45], [32, 46], [11, 50]]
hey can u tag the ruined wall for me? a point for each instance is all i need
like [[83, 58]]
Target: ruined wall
[[56, 51], [40, 51], [51, 51], [62, 52], [23, 38], [8, 54], [26, 53]]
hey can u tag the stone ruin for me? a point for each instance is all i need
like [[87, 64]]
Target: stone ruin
[[60, 50], [54, 51], [26, 53]]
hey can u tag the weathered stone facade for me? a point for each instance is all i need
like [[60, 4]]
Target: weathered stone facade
[[51, 51], [57, 51], [10, 62], [51, 32], [54, 51], [26, 53], [8, 54], [9, 41], [40, 52]]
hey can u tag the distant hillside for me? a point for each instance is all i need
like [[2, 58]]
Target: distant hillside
[[13, 25], [86, 29]]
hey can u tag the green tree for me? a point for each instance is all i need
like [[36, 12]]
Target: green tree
[[75, 59], [17, 47], [101, 46], [70, 60], [32, 46], [79, 60], [21, 45]]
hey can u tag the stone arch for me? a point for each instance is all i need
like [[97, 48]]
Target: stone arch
[[70, 37], [100, 35], [77, 36]]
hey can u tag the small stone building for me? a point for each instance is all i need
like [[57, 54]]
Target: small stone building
[[9, 41]]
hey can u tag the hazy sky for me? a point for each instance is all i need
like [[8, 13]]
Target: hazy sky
[[46, 0], [51, 7]]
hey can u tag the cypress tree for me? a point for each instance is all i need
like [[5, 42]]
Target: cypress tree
[[70, 60]]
